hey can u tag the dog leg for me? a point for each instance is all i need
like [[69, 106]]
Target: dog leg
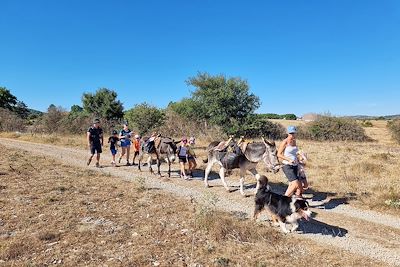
[[295, 226], [283, 227]]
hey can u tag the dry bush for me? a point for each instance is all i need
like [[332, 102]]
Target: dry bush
[[10, 122], [394, 128], [327, 128], [177, 126]]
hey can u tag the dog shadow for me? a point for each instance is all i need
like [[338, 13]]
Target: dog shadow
[[317, 227]]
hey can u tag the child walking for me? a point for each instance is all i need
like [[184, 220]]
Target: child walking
[[112, 140]]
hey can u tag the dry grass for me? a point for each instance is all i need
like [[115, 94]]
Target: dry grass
[[368, 172], [55, 214]]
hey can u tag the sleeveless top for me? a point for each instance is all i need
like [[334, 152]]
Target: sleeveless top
[[291, 153], [183, 151]]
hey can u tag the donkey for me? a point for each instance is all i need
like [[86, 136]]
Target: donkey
[[162, 146], [246, 160]]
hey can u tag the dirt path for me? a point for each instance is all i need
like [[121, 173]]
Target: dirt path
[[366, 233]]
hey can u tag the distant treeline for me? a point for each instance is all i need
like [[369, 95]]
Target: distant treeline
[[274, 116]]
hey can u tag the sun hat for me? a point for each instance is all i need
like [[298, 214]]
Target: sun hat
[[291, 129]]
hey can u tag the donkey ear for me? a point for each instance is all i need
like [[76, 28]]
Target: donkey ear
[[268, 142]]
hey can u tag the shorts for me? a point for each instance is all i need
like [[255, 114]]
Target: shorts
[[182, 159], [95, 147], [291, 172], [125, 143], [113, 151], [191, 159]]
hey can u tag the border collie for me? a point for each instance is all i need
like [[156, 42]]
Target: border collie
[[281, 209]]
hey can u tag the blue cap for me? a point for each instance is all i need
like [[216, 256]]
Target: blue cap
[[291, 129]]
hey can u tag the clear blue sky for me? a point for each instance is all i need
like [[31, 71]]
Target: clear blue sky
[[299, 56]]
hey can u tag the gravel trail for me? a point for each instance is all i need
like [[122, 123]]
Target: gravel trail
[[362, 232]]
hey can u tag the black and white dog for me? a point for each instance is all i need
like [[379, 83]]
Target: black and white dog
[[281, 209]]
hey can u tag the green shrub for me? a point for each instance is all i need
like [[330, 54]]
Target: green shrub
[[394, 128], [327, 128], [366, 123], [256, 126]]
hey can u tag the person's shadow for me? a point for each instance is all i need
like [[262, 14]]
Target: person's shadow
[[317, 227]]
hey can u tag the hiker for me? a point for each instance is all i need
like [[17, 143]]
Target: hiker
[[287, 152], [136, 148], [191, 156], [113, 140], [95, 141], [124, 136], [302, 158], [183, 153]]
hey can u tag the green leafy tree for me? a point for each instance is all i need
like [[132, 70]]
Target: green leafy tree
[[225, 101], [103, 104], [145, 117], [7, 100], [187, 108]]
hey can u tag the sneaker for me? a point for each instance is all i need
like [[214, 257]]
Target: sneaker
[[113, 163], [88, 162], [128, 164], [97, 165], [119, 160]]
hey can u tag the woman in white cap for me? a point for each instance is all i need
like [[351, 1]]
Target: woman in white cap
[[287, 152]]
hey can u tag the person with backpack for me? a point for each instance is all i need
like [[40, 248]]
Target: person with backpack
[[125, 138], [95, 141]]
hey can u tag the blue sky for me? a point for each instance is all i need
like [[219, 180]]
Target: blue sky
[[298, 56]]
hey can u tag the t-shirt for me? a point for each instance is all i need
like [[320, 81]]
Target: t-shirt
[[113, 141], [127, 135], [95, 134], [183, 151]]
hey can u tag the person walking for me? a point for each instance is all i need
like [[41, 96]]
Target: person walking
[[113, 140], [95, 141], [124, 137], [287, 152], [136, 148], [191, 156], [182, 152]]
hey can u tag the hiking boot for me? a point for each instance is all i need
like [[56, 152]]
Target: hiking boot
[[128, 164], [88, 162]]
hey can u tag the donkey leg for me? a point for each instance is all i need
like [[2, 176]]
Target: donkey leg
[[149, 164], [241, 181], [222, 175], [206, 173], [257, 176], [158, 166], [169, 168]]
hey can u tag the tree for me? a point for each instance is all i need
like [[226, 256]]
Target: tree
[[145, 117], [103, 104], [187, 108], [225, 101], [7, 100]]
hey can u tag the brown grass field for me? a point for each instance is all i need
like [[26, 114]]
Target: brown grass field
[[54, 214], [365, 173]]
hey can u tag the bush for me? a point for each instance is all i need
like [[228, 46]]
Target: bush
[[327, 128], [394, 128], [256, 126], [366, 123], [10, 121], [145, 117], [177, 125]]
